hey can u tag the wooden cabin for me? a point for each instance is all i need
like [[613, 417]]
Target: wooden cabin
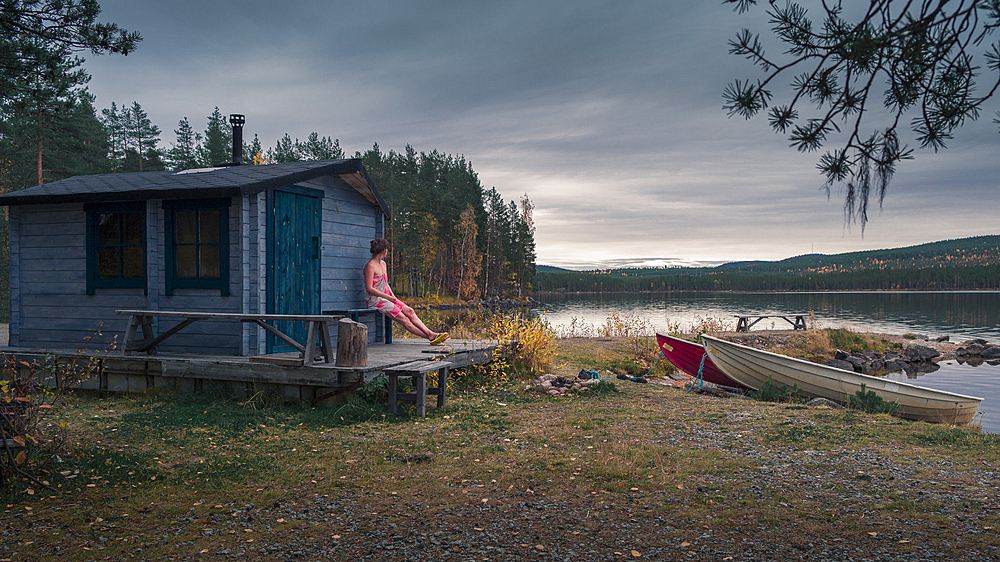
[[275, 239]]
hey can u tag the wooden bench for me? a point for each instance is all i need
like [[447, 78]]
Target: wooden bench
[[316, 326], [356, 314], [417, 370], [744, 324]]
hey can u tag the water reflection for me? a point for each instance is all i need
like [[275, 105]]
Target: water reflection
[[964, 378], [959, 314]]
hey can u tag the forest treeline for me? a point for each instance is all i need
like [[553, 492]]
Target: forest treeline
[[963, 264], [449, 235]]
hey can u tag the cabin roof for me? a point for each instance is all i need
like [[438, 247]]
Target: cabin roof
[[202, 183]]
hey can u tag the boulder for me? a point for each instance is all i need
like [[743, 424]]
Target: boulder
[[840, 364], [855, 360], [895, 365], [991, 352], [940, 339], [824, 402], [920, 353], [841, 354]]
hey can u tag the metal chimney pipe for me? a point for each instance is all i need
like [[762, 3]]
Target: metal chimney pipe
[[237, 121]]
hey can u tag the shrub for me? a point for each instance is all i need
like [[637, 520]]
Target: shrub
[[771, 391], [710, 325], [525, 346], [867, 401], [847, 340], [24, 404], [636, 332]]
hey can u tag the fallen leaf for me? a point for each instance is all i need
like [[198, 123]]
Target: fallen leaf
[[636, 554], [685, 543], [539, 547], [634, 489], [873, 534]]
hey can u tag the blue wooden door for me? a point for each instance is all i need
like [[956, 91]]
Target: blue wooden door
[[293, 257]]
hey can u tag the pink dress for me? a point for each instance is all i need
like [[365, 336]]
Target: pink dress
[[385, 306]]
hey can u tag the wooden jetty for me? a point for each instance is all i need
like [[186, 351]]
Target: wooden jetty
[[319, 383]]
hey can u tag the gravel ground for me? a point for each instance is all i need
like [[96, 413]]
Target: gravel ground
[[776, 499]]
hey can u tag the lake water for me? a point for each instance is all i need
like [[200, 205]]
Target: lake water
[[959, 315]]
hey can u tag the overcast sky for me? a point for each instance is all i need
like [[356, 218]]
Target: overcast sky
[[608, 115]]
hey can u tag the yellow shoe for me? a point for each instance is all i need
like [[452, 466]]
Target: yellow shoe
[[440, 339]]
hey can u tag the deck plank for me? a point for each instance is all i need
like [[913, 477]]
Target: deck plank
[[173, 369]]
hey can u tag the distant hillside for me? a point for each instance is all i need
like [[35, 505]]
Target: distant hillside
[[550, 269], [979, 250], [966, 263]]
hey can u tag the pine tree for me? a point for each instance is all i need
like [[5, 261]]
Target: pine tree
[[316, 148], [114, 125], [256, 153], [919, 61], [184, 154], [144, 135], [36, 30], [51, 86], [218, 146], [284, 151]]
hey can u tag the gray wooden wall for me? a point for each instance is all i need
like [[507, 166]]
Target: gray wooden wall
[[349, 224], [50, 307]]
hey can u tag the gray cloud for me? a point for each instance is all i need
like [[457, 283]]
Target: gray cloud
[[607, 114]]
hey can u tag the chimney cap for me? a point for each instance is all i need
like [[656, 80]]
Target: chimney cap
[[237, 119]]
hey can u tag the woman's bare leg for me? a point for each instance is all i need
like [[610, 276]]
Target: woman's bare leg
[[407, 323], [412, 316]]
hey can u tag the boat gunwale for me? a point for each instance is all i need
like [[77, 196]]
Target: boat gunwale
[[821, 373]]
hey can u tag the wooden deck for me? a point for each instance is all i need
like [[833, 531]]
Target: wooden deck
[[245, 376]]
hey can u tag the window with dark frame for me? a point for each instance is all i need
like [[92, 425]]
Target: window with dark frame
[[116, 246], [197, 245]]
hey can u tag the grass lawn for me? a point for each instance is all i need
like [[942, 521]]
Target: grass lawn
[[643, 472]]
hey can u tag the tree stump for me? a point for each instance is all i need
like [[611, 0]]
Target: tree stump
[[352, 343]]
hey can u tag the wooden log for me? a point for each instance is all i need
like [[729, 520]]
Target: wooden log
[[352, 343]]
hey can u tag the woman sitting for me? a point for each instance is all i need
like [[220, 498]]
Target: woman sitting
[[379, 295]]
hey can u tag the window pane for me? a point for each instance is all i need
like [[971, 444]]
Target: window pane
[[209, 261], [107, 228], [107, 262], [132, 228], [132, 265], [209, 232], [185, 227], [187, 265]]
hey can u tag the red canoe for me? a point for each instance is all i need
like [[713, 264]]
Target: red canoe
[[686, 356]]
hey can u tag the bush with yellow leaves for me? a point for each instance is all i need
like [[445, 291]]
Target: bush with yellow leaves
[[525, 346]]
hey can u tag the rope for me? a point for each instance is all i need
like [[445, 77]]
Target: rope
[[650, 371], [597, 375], [701, 378]]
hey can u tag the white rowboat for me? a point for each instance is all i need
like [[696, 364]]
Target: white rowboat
[[753, 367]]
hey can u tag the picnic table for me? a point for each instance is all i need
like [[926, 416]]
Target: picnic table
[[744, 324], [317, 327]]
